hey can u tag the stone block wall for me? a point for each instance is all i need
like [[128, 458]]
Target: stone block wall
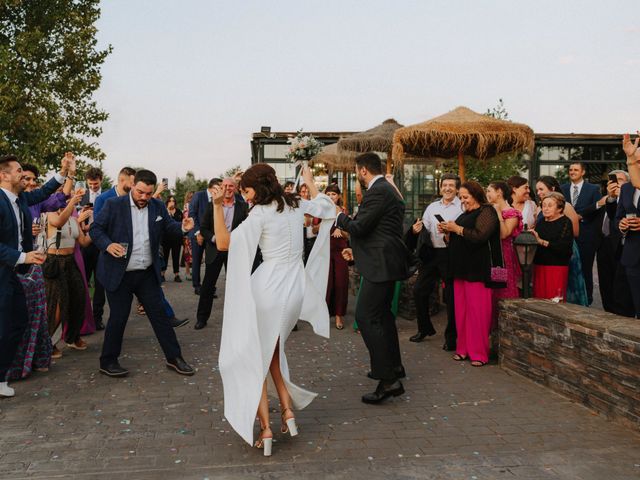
[[590, 356]]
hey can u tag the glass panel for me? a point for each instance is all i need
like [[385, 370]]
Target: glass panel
[[553, 153], [275, 151], [284, 171], [612, 152], [419, 186]]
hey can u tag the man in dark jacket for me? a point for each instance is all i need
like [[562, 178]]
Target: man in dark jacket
[[381, 257]]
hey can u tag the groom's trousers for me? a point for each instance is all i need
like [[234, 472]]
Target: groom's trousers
[[144, 285], [378, 328]]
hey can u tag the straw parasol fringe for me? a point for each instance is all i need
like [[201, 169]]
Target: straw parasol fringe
[[330, 156], [462, 130], [376, 139]]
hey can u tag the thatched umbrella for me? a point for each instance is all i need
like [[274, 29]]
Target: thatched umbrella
[[330, 156], [459, 132], [376, 139]]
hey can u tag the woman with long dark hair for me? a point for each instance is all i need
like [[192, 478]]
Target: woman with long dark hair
[[171, 246], [521, 199], [262, 307], [338, 287]]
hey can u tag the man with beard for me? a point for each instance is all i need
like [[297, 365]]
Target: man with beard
[[16, 253], [128, 231], [381, 257]]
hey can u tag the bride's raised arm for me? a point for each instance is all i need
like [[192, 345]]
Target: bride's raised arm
[[223, 237]]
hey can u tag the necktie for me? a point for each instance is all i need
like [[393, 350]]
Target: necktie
[[606, 226], [574, 196]]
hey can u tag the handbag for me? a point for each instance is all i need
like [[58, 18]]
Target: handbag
[[499, 274]]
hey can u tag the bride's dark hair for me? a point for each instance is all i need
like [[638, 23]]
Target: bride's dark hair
[[262, 178]]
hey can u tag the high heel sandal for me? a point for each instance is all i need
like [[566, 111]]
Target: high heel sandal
[[266, 443], [289, 424]]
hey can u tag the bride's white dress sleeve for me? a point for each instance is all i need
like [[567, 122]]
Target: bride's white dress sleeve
[[314, 306]]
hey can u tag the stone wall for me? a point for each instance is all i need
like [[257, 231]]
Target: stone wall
[[590, 356]]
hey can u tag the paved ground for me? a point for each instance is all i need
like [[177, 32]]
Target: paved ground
[[456, 422]]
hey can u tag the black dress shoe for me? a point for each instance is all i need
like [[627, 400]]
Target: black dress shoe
[[177, 323], [384, 391], [196, 290], [114, 370], [418, 337], [180, 366], [448, 348], [400, 373], [99, 325], [200, 325]]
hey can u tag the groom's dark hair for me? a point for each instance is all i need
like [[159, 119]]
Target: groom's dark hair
[[145, 176], [371, 161]]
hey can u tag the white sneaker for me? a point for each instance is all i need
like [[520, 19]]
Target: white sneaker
[[6, 390]]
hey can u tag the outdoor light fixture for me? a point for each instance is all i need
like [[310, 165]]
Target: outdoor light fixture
[[526, 245], [265, 129]]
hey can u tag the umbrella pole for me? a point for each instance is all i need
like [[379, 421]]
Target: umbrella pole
[[461, 172], [345, 197], [389, 161]]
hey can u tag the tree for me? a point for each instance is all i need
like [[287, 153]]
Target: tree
[[49, 70], [230, 172], [188, 183]]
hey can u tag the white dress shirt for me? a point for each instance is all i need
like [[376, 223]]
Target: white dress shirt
[[140, 258], [449, 211], [580, 184], [636, 197], [93, 195], [16, 211]]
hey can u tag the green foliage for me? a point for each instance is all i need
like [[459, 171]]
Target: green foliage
[[499, 111], [489, 170], [188, 183], [49, 70], [230, 172], [107, 182]]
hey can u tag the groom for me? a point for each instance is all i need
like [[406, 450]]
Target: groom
[[128, 231], [381, 257]]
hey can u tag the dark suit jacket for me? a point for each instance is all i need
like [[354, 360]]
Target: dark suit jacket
[[9, 253], [631, 250], [197, 210], [114, 224], [586, 207], [206, 227], [376, 234]]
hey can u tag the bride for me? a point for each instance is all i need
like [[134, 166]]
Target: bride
[[260, 309]]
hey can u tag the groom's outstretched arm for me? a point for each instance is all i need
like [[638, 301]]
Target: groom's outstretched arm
[[369, 214]]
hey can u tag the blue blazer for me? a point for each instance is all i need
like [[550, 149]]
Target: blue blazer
[[586, 208], [114, 224], [197, 210], [631, 250], [9, 253]]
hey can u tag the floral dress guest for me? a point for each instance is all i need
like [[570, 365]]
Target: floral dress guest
[[576, 286], [510, 227], [474, 248], [64, 284], [338, 285], [186, 242], [555, 239]]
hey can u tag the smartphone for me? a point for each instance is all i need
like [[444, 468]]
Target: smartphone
[[613, 178], [165, 181], [439, 218]]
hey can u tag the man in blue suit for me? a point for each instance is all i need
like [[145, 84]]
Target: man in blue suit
[[197, 210], [16, 253], [628, 222], [587, 200], [128, 231]]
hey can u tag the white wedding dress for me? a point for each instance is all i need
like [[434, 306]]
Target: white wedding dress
[[262, 307]]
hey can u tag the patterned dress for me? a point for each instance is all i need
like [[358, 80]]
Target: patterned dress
[[510, 258], [35, 347]]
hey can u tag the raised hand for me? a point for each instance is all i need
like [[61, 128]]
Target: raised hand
[[217, 194], [307, 175], [631, 148]]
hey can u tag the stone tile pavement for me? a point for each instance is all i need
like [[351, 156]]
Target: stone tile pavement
[[455, 422]]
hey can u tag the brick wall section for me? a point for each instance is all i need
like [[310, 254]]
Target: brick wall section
[[590, 356]]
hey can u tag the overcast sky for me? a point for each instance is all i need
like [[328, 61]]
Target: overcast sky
[[189, 81]]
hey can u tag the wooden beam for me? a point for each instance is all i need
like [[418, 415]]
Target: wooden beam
[[461, 172]]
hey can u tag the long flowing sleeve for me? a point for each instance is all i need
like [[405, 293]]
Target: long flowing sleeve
[[240, 359], [314, 305]]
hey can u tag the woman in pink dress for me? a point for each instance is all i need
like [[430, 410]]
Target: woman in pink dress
[[510, 227]]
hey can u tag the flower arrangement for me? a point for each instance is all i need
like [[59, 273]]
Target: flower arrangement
[[303, 147]]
